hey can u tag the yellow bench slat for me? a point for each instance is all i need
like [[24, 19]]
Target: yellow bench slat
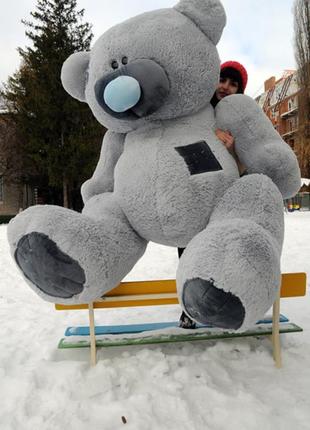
[[293, 284], [141, 293], [144, 287]]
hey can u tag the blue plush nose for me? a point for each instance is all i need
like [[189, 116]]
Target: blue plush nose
[[122, 93]]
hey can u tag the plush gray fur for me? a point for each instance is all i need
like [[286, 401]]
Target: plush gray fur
[[102, 180], [209, 16], [258, 145], [154, 181], [85, 239], [241, 247], [169, 38], [75, 78]]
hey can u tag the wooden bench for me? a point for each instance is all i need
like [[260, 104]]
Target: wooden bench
[[163, 292]]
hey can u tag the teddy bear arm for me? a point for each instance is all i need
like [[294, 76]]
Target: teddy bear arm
[[257, 144], [102, 180]]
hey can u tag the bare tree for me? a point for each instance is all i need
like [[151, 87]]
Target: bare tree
[[302, 54]]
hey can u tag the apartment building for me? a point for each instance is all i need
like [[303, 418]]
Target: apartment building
[[280, 103]]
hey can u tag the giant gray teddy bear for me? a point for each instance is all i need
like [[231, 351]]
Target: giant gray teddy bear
[[163, 176]]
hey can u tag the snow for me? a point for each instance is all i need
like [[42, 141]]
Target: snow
[[305, 181], [199, 385]]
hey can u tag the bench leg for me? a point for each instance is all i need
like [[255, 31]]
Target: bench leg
[[93, 359], [276, 345]]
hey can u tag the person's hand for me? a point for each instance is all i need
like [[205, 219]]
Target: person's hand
[[229, 142], [227, 139]]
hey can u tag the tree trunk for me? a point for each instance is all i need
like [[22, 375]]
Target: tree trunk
[[65, 193], [302, 55]]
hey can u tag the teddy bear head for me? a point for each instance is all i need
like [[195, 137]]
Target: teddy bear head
[[156, 66]]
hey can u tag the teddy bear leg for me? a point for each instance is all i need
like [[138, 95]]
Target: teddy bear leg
[[229, 274], [69, 257]]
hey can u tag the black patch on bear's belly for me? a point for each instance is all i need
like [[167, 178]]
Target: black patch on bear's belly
[[199, 158]]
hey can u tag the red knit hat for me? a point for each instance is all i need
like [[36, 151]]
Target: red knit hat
[[239, 68]]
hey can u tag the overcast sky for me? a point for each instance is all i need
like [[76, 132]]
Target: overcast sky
[[259, 33]]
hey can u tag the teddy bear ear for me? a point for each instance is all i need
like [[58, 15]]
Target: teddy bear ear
[[74, 74], [208, 15]]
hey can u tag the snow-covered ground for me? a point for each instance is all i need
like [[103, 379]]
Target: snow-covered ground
[[229, 384]]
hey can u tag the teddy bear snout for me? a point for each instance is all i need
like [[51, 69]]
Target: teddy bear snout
[[133, 91]]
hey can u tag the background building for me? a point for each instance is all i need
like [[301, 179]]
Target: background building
[[280, 103]]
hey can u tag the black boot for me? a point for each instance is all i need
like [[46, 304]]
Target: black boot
[[186, 322]]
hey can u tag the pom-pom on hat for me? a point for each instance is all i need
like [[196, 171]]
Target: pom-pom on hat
[[234, 66]]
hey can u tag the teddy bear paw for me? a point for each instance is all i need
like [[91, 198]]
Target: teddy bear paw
[[46, 266], [210, 305]]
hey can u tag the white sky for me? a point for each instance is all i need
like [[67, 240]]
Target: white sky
[[259, 33]]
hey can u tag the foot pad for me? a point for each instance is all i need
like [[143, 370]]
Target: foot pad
[[46, 266], [209, 305]]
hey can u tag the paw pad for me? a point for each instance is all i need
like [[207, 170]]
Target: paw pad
[[46, 266]]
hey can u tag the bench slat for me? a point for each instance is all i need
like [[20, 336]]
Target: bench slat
[[163, 292], [177, 335], [293, 284]]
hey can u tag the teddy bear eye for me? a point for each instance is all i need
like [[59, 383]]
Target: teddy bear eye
[[114, 64], [125, 60]]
